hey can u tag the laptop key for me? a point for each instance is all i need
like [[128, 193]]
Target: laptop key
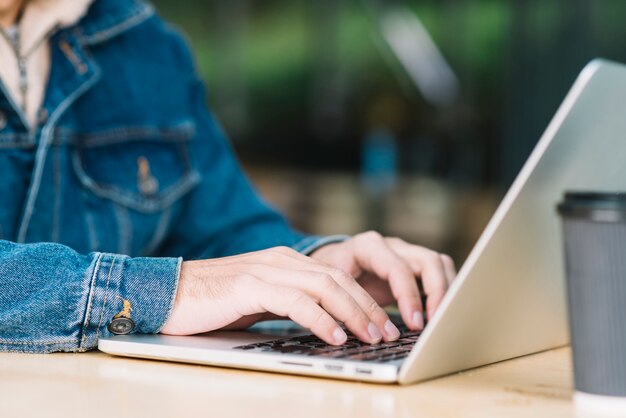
[[353, 348], [353, 351], [292, 349], [246, 347]]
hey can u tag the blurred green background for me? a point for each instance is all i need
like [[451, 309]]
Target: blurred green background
[[333, 128]]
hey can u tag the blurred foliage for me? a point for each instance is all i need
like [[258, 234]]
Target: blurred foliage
[[263, 61], [279, 36]]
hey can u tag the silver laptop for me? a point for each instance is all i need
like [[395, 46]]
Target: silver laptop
[[508, 299]]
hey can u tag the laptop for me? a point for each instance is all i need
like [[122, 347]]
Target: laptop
[[508, 299]]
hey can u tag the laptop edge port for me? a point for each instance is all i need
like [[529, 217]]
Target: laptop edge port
[[333, 367]]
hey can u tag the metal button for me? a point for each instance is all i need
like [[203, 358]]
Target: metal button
[[121, 323], [147, 184], [3, 120], [121, 326]]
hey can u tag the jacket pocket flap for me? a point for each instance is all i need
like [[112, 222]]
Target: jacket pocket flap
[[146, 169]]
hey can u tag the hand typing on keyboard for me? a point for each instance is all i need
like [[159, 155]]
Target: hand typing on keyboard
[[353, 349], [344, 282]]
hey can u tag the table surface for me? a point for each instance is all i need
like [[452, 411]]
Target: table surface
[[96, 384]]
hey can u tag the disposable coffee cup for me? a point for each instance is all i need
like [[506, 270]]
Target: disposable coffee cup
[[594, 237]]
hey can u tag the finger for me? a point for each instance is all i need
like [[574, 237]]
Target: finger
[[450, 269], [372, 309], [379, 326], [429, 265], [373, 255], [325, 290], [376, 314], [300, 308]]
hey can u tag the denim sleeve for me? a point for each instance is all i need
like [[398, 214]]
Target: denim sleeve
[[54, 299], [224, 215]]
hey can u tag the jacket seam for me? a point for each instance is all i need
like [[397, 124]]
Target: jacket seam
[[92, 291], [42, 152], [118, 29], [172, 299], [16, 137], [175, 133], [106, 294], [164, 199], [72, 341]]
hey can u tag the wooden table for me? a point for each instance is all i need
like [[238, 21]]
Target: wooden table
[[96, 384]]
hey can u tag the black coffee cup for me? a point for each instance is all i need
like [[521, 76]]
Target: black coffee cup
[[594, 235]]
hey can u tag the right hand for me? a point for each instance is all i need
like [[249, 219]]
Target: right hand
[[236, 292]]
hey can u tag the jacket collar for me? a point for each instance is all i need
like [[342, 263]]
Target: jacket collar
[[41, 18], [109, 18]]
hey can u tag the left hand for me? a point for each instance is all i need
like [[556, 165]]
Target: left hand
[[389, 270]]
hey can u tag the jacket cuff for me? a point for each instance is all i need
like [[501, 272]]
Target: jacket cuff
[[148, 284], [310, 244]]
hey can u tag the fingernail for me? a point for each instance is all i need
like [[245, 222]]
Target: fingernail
[[391, 330], [340, 336], [374, 332], [418, 319]]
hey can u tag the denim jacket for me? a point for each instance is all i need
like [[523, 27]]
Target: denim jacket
[[126, 175]]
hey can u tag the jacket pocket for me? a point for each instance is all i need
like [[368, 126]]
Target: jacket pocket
[[143, 168]]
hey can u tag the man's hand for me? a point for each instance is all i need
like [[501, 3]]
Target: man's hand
[[340, 282], [235, 292], [389, 270]]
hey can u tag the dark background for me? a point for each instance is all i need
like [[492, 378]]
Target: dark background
[[331, 127]]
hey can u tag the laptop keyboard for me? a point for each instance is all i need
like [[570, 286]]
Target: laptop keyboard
[[353, 349]]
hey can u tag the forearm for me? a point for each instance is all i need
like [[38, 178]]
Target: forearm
[[54, 299]]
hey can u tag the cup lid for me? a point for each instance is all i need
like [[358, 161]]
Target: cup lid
[[600, 206]]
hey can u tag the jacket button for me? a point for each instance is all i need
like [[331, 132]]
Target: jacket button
[[121, 326], [3, 120]]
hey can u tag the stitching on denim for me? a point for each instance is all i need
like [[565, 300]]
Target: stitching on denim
[[28, 350], [159, 233], [17, 140], [164, 199], [17, 146], [42, 151], [183, 149], [106, 294], [142, 204], [16, 136], [183, 132], [92, 291], [141, 16], [179, 266], [37, 342]]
